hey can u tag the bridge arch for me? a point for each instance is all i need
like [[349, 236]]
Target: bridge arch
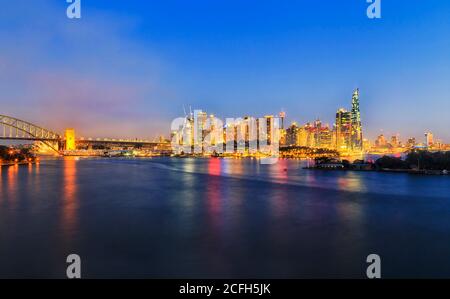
[[28, 131]]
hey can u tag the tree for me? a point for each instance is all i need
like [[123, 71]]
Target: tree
[[391, 163]]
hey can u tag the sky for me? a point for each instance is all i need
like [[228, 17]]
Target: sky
[[127, 68]]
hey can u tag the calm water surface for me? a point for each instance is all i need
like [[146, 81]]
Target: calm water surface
[[219, 218]]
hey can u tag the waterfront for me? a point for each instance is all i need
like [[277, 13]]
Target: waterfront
[[219, 218]]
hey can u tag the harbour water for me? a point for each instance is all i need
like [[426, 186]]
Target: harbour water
[[219, 218]]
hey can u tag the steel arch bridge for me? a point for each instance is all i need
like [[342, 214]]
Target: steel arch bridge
[[15, 129]]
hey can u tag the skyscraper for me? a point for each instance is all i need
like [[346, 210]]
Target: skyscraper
[[429, 139], [316, 132], [411, 142], [343, 130], [395, 142], [282, 116], [356, 130], [326, 138], [381, 141], [200, 118], [292, 134]]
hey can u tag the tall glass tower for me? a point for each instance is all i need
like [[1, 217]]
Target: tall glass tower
[[357, 137]]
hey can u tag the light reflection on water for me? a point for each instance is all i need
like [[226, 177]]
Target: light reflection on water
[[69, 196], [218, 218], [12, 183], [291, 172]]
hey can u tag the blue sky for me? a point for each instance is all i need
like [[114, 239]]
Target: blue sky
[[128, 67]]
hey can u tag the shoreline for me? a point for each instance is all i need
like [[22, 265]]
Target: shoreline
[[408, 171], [17, 163]]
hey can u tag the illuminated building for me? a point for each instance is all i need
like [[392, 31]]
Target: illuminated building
[[326, 138], [302, 136], [381, 141], [208, 135], [188, 137], [282, 116], [242, 134], [394, 141], [411, 142], [183, 136], [333, 137], [269, 122], [428, 139], [316, 133], [438, 145], [366, 144], [211, 130], [200, 119], [309, 135], [343, 130], [356, 127], [292, 134], [69, 136], [213, 135], [313, 136]]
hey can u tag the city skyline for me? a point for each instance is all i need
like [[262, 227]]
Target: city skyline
[[145, 67], [344, 136], [221, 147], [351, 117]]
